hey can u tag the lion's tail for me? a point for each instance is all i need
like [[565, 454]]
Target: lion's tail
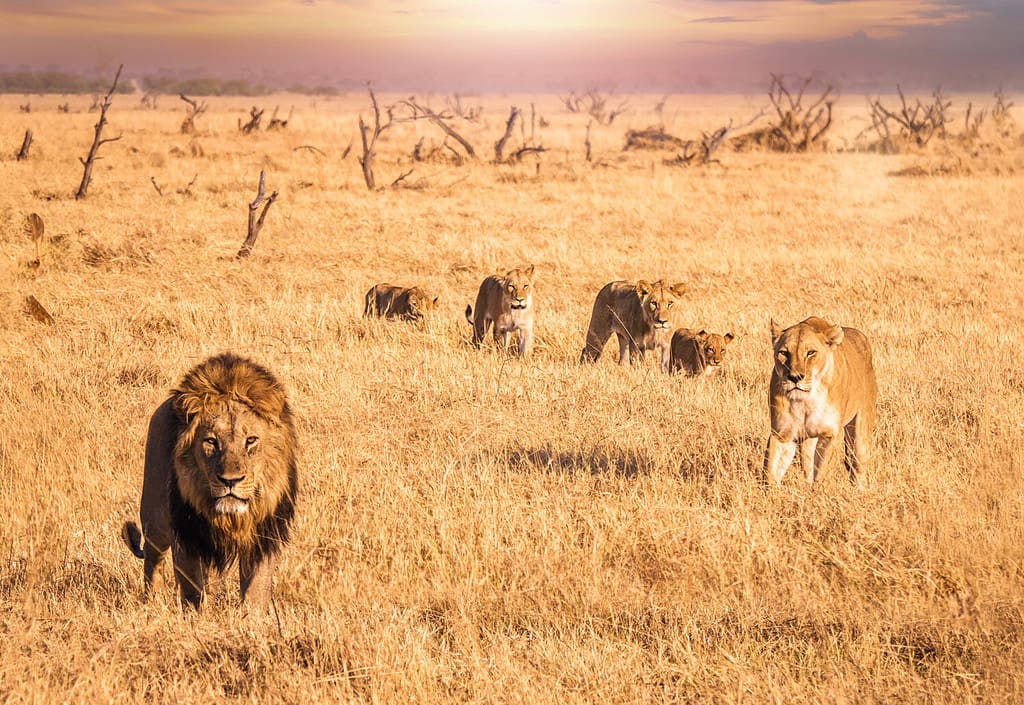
[[133, 538]]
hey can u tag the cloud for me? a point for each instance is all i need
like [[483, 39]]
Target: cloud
[[724, 19]]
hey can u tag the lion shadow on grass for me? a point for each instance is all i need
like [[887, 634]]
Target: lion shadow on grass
[[602, 460]]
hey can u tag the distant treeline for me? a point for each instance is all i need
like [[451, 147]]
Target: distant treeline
[[67, 83], [55, 82]]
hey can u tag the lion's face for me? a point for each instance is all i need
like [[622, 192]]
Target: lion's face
[[657, 300], [519, 288], [803, 355], [712, 347], [420, 305]]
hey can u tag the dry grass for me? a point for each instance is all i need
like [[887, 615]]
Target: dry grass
[[477, 529]]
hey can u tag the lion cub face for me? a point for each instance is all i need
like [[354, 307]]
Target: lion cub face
[[519, 288], [228, 449], [657, 300], [803, 356], [420, 304], [712, 347]]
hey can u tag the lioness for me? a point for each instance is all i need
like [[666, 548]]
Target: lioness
[[507, 303], [220, 479], [639, 314], [389, 301], [822, 389], [698, 353]]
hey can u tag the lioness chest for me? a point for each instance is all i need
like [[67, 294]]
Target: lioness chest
[[807, 415]]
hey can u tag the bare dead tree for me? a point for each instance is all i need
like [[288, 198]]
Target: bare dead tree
[[454, 105], [95, 104], [702, 151], [159, 190], [371, 133], [311, 148], [278, 124], [916, 121], [659, 107], [344, 152], [594, 103], [64, 107], [972, 127], [26, 108], [195, 109], [255, 116], [97, 141], [586, 140], [499, 146], [439, 119], [25, 144], [187, 190], [148, 101], [1001, 110], [799, 127], [256, 224]]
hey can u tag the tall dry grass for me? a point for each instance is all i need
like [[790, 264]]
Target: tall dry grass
[[475, 528]]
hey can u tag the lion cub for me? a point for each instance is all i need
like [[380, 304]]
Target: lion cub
[[507, 303], [638, 313], [397, 302], [698, 353], [822, 393]]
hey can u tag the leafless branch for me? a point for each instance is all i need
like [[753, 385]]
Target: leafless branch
[[25, 144], [195, 109], [255, 225], [499, 146], [159, 190], [97, 141]]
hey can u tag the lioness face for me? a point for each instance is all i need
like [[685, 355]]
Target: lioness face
[[657, 300], [420, 305], [228, 450], [712, 347], [519, 288], [803, 356]]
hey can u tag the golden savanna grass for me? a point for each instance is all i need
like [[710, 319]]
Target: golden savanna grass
[[474, 528]]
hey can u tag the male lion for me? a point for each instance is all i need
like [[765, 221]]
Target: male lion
[[220, 479], [389, 301], [639, 314], [698, 352], [822, 389], [507, 303]]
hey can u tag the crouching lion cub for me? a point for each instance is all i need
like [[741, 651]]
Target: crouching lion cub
[[506, 302], [698, 353], [385, 300], [639, 314], [822, 392]]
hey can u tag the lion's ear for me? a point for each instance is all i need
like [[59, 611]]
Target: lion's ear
[[643, 288], [529, 271], [776, 331], [435, 300], [728, 338], [702, 333], [834, 335], [678, 289]]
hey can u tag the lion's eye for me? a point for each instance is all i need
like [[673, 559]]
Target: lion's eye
[[670, 304], [783, 355], [653, 305], [251, 441], [210, 444], [812, 353]]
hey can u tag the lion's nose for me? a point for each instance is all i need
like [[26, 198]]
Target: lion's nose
[[231, 480], [795, 376]]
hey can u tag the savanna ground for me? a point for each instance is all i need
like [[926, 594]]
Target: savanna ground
[[478, 529]]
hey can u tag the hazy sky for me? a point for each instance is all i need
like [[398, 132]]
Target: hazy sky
[[529, 44]]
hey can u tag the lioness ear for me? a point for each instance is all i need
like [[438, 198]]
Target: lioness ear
[[643, 288], [678, 289], [185, 406], [702, 333], [435, 300], [776, 331], [728, 338], [529, 272], [834, 335]]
